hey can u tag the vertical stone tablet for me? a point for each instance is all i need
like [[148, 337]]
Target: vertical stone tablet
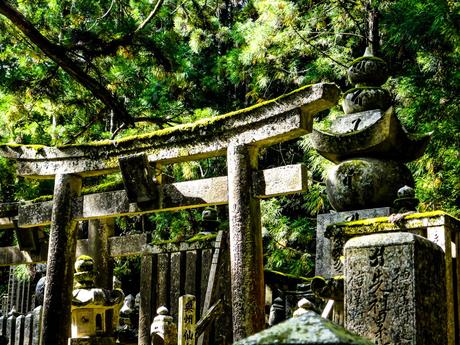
[[19, 335], [11, 329], [28, 327], [187, 320], [395, 290]]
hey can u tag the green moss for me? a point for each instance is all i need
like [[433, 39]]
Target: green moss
[[370, 58], [193, 239], [184, 128], [85, 258]]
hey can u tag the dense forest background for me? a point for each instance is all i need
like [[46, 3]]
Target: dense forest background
[[80, 70]]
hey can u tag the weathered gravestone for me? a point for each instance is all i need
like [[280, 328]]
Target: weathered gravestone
[[395, 289]]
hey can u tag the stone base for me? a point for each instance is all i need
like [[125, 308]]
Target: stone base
[[92, 341], [395, 289]]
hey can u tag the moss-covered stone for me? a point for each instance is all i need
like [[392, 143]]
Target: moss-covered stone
[[309, 328]]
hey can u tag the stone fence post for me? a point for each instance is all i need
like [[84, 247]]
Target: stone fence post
[[11, 329]]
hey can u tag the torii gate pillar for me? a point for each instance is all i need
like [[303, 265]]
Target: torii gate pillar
[[246, 252], [61, 256]]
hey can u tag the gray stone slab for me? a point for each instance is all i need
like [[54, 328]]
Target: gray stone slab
[[28, 329], [395, 289], [328, 263], [19, 335]]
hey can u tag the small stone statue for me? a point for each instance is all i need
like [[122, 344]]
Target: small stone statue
[[209, 221], [163, 330], [277, 312], [129, 320], [406, 200]]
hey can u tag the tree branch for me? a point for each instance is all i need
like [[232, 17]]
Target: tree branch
[[318, 50], [150, 16], [59, 55]]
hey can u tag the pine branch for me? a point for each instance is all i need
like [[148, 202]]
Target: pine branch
[[59, 55]]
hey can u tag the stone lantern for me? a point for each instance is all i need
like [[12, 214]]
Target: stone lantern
[[94, 310]]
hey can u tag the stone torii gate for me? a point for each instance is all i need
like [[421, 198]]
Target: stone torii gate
[[238, 135]]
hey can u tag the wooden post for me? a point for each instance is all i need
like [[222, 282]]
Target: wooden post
[[99, 232], [61, 256], [247, 280], [187, 320]]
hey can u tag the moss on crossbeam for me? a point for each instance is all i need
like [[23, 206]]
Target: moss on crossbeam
[[99, 188], [183, 128]]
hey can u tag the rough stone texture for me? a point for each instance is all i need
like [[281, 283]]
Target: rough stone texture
[[395, 289], [28, 329], [37, 329], [61, 256], [145, 307], [368, 70], [284, 118], [355, 122], [308, 328], [362, 99], [383, 139], [99, 232], [246, 257], [19, 335], [361, 183], [329, 251], [10, 256], [11, 329], [174, 196]]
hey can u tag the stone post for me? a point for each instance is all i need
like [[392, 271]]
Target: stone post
[[37, 320], [19, 335], [28, 328], [187, 320], [395, 289], [61, 256], [99, 232], [247, 279], [11, 329]]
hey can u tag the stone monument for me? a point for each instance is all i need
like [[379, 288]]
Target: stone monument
[[395, 291], [368, 143], [94, 310]]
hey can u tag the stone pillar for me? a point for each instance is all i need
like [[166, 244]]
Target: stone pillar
[[395, 290], [247, 279], [99, 232], [61, 256]]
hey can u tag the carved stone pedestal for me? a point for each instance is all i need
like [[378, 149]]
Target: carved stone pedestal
[[395, 289]]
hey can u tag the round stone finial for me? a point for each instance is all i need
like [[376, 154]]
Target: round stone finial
[[406, 192], [84, 263], [162, 310], [368, 70]]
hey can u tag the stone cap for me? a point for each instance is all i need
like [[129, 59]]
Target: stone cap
[[309, 328], [408, 222], [95, 297], [379, 135], [394, 238]]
